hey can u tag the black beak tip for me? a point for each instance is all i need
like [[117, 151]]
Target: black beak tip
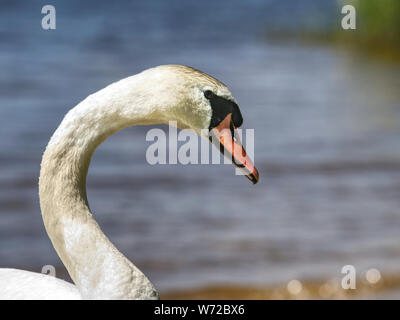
[[252, 178]]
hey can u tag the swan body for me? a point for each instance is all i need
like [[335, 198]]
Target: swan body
[[20, 284], [98, 269]]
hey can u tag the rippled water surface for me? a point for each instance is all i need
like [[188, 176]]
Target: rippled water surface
[[327, 144]]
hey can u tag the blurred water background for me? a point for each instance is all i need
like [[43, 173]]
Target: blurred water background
[[327, 138]]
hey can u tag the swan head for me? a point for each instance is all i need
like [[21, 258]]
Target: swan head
[[197, 101]]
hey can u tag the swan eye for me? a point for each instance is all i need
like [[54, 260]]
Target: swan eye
[[221, 107], [208, 94]]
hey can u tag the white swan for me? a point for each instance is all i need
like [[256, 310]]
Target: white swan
[[179, 93]]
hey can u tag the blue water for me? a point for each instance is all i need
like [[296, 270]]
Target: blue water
[[327, 128]]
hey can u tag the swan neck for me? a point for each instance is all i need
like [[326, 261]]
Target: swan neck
[[97, 268]]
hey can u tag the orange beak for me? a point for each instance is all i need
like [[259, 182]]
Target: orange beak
[[225, 137]]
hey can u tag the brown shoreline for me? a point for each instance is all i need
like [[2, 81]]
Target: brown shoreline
[[388, 287]]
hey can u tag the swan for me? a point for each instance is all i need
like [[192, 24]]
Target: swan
[[158, 95]]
